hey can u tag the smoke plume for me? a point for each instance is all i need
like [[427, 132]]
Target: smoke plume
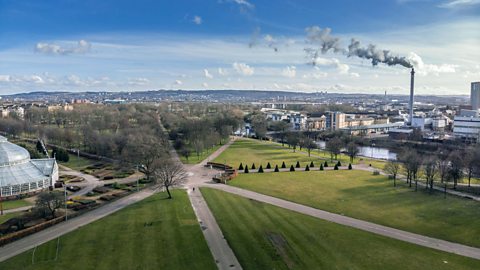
[[322, 41]]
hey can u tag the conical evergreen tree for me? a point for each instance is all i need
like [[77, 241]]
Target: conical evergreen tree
[[349, 166], [268, 166], [246, 169], [292, 169], [276, 168], [297, 165], [325, 164], [260, 170], [311, 164], [321, 167], [307, 168], [240, 167], [283, 165], [253, 166], [336, 167]]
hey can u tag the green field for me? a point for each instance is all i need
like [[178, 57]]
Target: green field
[[15, 204], [361, 195], [194, 159], [77, 163], [155, 233], [267, 237], [248, 151]]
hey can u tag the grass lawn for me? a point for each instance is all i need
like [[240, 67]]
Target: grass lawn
[[155, 233], [268, 237], [77, 163], [361, 195], [6, 217], [248, 151], [194, 159], [15, 204]]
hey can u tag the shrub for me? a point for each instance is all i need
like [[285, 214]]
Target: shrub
[[336, 167], [253, 166], [61, 154], [268, 166], [339, 164], [246, 169], [307, 168], [276, 168], [321, 167], [376, 172], [260, 170], [325, 164], [292, 169], [240, 167], [297, 165], [349, 166], [283, 165], [311, 164]]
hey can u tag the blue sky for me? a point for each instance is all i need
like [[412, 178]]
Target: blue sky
[[235, 44]]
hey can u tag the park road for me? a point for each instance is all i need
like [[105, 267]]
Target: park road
[[413, 238]]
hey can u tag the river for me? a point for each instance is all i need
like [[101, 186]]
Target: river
[[369, 151]]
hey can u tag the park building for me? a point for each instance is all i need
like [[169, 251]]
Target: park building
[[21, 175]]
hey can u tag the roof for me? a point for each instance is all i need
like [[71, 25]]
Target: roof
[[376, 126], [11, 153], [17, 168]]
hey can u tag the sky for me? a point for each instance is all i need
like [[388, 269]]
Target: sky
[[90, 45]]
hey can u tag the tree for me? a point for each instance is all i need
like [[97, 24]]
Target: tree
[[259, 125], [349, 166], [336, 167], [309, 144], [352, 151], [276, 169], [430, 171], [392, 167], [411, 163], [253, 166], [455, 169], [292, 169], [281, 127], [472, 162], [246, 169], [311, 164], [292, 140], [334, 146], [339, 164], [240, 167], [260, 169], [307, 168], [297, 165], [268, 166], [283, 165], [325, 164], [185, 152], [48, 202], [321, 167], [60, 154], [169, 174], [146, 151]]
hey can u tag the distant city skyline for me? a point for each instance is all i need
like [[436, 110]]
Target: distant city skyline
[[237, 44]]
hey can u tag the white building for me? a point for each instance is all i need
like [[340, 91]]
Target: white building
[[20, 175], [467, 127]]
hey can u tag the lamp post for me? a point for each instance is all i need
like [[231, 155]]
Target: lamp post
[[65, 193]]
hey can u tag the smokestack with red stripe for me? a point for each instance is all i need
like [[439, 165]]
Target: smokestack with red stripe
[[410, 104]]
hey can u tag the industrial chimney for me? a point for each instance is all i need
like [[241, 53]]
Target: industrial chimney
[[410, 104]]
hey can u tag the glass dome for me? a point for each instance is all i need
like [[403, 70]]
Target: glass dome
[[11, 153]]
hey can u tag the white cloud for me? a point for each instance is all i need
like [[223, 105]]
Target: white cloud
[[289, 72], [244, 3], [50, 48], [207, 74], [138, 81], [334, 62], [354, 75], [5, 78], [205, 85], [425, 69], [222, 72], [243, 69], [459, 3], [197, 20], [178, 82]]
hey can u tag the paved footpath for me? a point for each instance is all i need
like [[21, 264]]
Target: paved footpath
[[60, 229], [355, 223], [221, 251]]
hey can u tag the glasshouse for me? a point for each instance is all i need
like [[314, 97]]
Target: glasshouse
[[19, 174]]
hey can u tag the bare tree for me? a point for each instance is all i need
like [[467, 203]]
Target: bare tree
[[48, 202], [168, 174], [455, 168], [392, 167], [352, 150], [334, 146], [472, 162], [430, 169]]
